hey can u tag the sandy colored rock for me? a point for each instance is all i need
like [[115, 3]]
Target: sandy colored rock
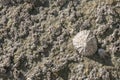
[[36, 39]]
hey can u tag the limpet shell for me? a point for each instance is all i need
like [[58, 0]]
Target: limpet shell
[[85, 43]]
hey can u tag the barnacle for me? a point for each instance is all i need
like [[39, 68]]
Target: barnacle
[[85, 43], [102, 53]]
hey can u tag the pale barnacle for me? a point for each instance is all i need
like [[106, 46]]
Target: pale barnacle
[[85, 43], [102, 53]]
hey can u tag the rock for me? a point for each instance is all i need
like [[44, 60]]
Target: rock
[[36, 39]]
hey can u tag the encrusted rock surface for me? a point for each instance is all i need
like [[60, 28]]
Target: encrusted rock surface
[[36, 39]]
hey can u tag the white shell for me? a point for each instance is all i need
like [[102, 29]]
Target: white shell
[[85, 42]]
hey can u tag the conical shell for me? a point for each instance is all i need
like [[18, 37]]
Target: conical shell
[[85, 42]]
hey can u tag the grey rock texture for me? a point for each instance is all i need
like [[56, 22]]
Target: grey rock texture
[[36, 39]]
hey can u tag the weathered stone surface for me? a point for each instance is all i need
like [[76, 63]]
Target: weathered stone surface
[[36, 39]]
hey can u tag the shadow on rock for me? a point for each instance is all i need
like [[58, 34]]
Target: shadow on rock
[[105, 61]]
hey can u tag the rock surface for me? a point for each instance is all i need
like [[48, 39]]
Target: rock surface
[[36, 39]]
